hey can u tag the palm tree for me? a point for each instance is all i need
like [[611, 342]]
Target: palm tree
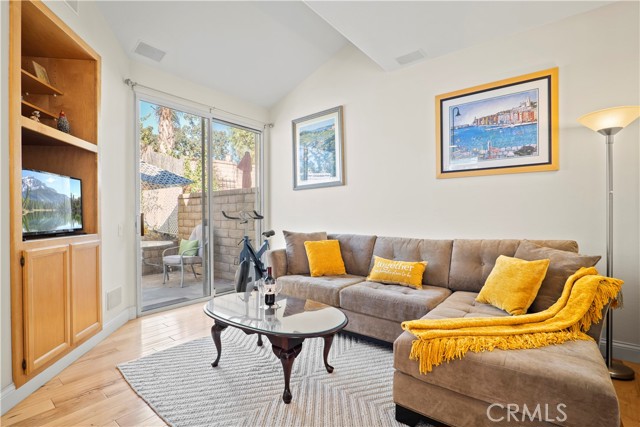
[[167, 123]]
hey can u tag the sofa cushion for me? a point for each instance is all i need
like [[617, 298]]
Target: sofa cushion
[[392, 302], [472, 260], [297, 262], [436, 252], [572, 374], [464, 304], [323, 289], [563, 264], [357, 251], [513, 284]]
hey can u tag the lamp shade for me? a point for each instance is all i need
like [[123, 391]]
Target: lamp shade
[[616, 117]]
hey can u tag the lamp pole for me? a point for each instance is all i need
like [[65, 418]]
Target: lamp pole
[[609, 122], [617, 370]]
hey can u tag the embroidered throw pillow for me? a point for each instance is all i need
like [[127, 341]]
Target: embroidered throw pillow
[[392, 272]]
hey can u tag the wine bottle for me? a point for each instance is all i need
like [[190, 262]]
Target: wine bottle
[[269, 289]]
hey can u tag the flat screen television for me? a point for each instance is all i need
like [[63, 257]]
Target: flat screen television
[[51, 204]]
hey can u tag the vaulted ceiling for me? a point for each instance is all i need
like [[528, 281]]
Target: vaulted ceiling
[[260, 50]]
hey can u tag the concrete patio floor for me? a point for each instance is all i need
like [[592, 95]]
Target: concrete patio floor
[[155, 294]]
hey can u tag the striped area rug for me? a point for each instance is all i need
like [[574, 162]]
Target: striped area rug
[[246, 387]]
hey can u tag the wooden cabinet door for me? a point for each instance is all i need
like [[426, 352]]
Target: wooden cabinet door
[[86, 305], [46, 305]]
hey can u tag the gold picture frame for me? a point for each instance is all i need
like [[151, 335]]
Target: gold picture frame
[[41, 72], [508, 126]]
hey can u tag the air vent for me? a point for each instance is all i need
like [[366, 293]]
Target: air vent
[[411, 57], [149, 51], [74, 4]]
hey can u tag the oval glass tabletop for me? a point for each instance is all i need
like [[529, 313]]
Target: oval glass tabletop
[[291, 317]]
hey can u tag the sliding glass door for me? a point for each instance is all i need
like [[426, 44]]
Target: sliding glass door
[[192, 167], [173, 206], [236, 186]]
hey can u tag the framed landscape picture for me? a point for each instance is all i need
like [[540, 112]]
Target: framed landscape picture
[[509, 126], [317, 150]]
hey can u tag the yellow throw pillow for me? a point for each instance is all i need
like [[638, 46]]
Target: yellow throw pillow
[[513, 284], [397, 272], [325, 258]]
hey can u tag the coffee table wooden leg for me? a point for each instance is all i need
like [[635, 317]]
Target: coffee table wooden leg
[[259, 340], [286, 358], [216, 330], [328, 340]]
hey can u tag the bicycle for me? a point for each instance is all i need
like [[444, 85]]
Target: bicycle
[[248, 254]]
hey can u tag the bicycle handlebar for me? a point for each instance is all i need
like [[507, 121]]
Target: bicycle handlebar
[[244, 216]]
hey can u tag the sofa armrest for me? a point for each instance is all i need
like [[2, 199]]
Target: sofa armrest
[[277, 260]]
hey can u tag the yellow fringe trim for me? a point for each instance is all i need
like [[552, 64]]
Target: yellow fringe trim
[[580, 306]]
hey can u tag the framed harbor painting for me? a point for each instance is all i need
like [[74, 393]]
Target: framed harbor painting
[[317, 150], [508, 126]]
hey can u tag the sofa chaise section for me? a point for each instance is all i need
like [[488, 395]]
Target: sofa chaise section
[[560, 380]]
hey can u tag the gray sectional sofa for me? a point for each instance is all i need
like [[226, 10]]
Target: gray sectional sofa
[[561, 385]]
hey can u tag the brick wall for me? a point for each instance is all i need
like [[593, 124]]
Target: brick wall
[[226, 233]]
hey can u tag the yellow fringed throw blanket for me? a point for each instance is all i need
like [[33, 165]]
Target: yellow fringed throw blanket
[[584, 296]]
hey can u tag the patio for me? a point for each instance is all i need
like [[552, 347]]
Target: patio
[[155, 294]]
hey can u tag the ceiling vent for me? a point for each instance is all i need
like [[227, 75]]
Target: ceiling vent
[[73, 4], [149, 51], [411, 57]]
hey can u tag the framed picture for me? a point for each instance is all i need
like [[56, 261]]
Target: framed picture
[[41, 72], [509, 126], [317, 150]]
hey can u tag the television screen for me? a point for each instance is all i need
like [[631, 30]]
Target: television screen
[[51, 203]]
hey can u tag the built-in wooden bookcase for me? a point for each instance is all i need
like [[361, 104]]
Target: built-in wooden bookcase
[[55, 282]]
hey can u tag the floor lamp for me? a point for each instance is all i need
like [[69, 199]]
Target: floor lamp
[[609, 122]]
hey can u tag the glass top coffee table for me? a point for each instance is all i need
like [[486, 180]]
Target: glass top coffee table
[[286, 325]]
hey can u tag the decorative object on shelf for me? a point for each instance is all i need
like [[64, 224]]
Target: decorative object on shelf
[[608, 122], [508, 126], [63, 123], [317, 150], [35, 116], [41, 72]]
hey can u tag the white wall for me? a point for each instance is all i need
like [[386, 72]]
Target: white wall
[[389, 119]]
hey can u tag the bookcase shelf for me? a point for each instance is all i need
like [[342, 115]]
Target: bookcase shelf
[[35, 133], [31, 85], [28, 108]]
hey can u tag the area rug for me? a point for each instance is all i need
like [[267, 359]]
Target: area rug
[[246, 387]]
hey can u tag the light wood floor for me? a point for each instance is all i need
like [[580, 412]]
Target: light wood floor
[[92, 392]]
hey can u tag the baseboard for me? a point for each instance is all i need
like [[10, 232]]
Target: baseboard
[[10, 396], [623, 350]]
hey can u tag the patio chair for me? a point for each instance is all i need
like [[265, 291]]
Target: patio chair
[[171, 257]]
